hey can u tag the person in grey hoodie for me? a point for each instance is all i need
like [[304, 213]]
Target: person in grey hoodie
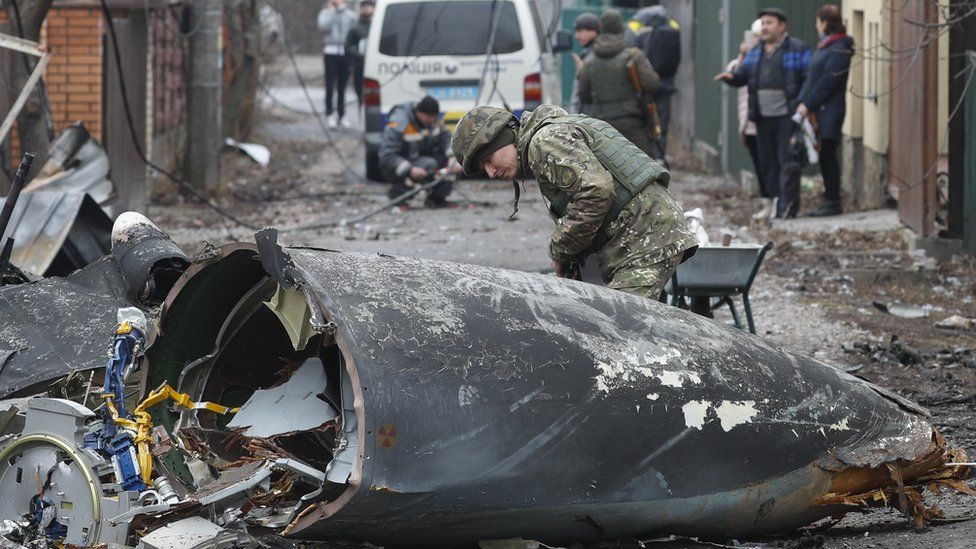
[[335, 20]]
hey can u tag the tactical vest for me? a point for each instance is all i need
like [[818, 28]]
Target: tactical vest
[[631, 168], [613, 92]]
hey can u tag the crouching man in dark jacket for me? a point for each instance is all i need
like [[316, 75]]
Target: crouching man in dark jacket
[[414, 147]]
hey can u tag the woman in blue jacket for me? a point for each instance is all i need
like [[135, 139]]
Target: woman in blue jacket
[[823, 96]]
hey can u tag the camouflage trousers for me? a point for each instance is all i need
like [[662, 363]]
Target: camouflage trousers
[[647, 241], [646, 280]]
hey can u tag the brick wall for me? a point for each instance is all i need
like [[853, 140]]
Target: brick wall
[[74, 74], [73, 77]]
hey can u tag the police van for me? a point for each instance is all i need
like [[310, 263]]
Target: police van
[[441, 48]]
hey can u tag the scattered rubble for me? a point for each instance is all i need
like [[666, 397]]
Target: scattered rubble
[[956, 322], [356, 397], [897, 352]]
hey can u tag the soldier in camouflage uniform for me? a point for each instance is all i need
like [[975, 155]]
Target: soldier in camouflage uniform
[[606, 83], [608, 198]]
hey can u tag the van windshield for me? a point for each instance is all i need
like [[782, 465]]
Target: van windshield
[[449, 28]]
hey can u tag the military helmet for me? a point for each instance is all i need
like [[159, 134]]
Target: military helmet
[[477, 128]]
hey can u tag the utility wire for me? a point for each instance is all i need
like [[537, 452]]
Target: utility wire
[[362, 217], [135, 136], [315, 111]]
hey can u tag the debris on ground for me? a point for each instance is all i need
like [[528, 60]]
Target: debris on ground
[[957, 322], [254, 151], [355, 397], [902, 310]]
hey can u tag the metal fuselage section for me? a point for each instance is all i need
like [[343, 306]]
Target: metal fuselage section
[[485, 403]]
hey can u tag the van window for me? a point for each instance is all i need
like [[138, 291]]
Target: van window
[[448, 28]]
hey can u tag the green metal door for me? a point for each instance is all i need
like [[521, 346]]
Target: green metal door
[[709, 61]]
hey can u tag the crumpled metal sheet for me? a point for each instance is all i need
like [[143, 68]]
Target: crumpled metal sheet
[[55, 325], [56, 232], [292, 406]]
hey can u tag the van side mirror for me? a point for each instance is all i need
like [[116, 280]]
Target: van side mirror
[[563, 41]]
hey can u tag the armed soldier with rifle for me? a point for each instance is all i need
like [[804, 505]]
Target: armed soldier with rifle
[[619, 81]]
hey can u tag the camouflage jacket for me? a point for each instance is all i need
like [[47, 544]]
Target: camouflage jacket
[[559, 157]]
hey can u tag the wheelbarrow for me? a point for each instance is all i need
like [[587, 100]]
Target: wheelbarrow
[[719, 273]]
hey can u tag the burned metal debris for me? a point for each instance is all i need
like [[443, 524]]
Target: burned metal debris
[[61, 221], [322, 395]]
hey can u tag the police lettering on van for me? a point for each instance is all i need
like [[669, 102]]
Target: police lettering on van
[[439, 48]]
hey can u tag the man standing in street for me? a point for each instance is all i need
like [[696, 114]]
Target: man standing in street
[[658, 35], [774, 70], [335, 20], [587, 27], [414, 147], [607, 80], [356, 45], [608, 197]]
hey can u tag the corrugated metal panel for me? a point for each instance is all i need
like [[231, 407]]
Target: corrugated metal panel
[[56, 232], [913, 147], [969, 182]]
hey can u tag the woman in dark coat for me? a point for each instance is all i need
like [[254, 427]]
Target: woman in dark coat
[[823, 95]]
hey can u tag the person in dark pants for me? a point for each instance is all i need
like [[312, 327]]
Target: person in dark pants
[[414, 147], [775, 71], [356, 46], [335, 20], [658, 35], [822, 97]]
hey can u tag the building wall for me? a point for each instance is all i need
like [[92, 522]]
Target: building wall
[[867, 126], [683, 102], [864, 173], [73, 77], [74, 74], [868, 22]]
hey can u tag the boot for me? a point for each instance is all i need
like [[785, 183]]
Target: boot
[[827, 209]]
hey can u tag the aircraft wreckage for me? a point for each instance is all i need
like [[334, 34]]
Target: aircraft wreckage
[[324, 395]]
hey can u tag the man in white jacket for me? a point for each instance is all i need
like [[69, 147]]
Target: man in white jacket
[[335, 20]]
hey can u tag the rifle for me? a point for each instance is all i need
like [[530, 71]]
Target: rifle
[[649, 112]]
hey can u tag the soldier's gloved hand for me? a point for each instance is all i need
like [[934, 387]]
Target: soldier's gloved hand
[[418, 174]]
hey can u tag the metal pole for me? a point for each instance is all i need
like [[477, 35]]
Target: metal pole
[[15, 187], [930, 137], [204, 128]]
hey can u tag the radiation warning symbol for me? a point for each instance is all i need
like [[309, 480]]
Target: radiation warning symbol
[[387, 436]]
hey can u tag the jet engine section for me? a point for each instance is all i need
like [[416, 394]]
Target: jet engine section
[[63, 490]]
